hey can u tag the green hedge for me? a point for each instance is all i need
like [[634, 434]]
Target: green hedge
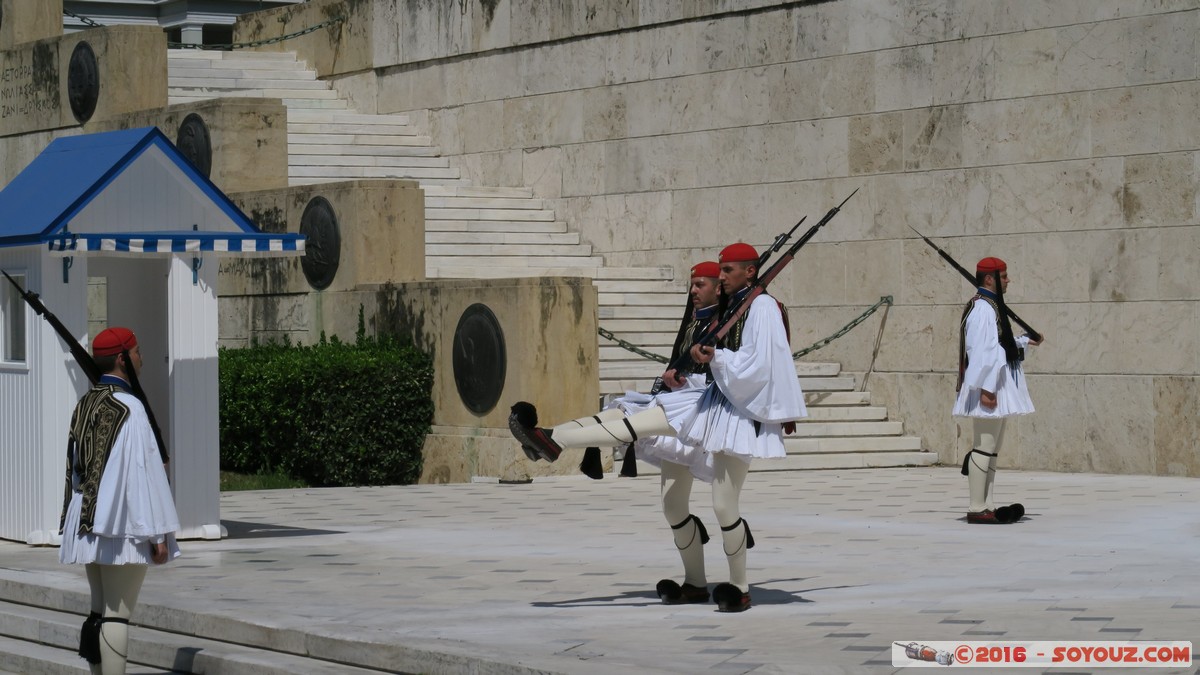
[[330, 414]]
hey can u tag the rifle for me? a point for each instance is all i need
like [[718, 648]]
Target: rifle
[[780, 240], [1037, 337], [735, 312], [778, 244], [82, 357], [85, 360]]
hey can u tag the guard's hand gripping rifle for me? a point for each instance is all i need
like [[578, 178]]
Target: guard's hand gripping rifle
[[85, 360], [735, 311], [1037, 337], [659, 383]]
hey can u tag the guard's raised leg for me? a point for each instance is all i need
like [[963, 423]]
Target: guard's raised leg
[[548, 443]]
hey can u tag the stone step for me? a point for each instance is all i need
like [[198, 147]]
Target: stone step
[[21, 656], [423, 180], [848, 460], [306, 150], [345, 127], [391, 160], [181, 72], [335, 173], [636, 287], [623, 327], [630, 273], [465, 191], [458, 269], [488, 214], [806, 446], [511, 238], [291, 103], [635, 312], [435, 224], [322, 93], [227, 55], [656, 298], [660, 342], [215, 81], [347, 117], [541, 263], [350, 142], [514, 204], [519, 251], [865, 459], [837, 429], [842, 383], [154, 651], [862, 413]]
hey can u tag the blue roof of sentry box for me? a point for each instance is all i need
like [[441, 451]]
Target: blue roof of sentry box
[[39, 203]]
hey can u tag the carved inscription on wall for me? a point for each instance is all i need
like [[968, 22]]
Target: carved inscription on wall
[[29, 89]]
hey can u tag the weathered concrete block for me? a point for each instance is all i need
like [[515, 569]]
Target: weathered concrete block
[[248, 138], [128, 72], [380, 223], [345, 43], [29, 20]]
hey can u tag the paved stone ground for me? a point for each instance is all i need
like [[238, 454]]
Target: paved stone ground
[[558, 575]]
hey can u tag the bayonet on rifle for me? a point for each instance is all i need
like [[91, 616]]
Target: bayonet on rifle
[[1037, 337]]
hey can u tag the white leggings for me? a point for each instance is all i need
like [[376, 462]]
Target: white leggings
[[726, 490], [115, 591]]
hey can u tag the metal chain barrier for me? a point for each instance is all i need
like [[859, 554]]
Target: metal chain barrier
[[885, 300], [632, 347], [230, 46], [83, 19]]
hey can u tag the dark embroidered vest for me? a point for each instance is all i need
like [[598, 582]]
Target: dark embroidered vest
[[97, 420], [962, 335]]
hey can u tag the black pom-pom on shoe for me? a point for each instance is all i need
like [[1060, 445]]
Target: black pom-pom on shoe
[[730, 598], [522, 422], [526, 414], [672, 593], [1016, 511], [1003, 515]]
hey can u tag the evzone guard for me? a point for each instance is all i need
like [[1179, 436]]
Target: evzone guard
[[991, 387], [721, 424]]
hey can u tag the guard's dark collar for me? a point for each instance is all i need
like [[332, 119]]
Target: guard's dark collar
[[109, 378], [741, 294], [705, 312], [988, 294]]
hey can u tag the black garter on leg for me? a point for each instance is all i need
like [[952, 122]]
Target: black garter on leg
[[749, 536], [699, 528]]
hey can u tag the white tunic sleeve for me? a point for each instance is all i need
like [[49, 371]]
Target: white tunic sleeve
[[134, 498], [985, 357], [759, 378]]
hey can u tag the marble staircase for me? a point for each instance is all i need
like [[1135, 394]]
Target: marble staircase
[[496, 232]]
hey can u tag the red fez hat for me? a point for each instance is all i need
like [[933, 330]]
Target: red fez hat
[[113, 341], [706, 269], [739, 252], [991, 265]]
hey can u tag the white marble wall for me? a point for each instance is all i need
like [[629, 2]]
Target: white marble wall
[[1062, 136]]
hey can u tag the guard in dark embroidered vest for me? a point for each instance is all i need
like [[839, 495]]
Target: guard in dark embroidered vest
[[991, 388]]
